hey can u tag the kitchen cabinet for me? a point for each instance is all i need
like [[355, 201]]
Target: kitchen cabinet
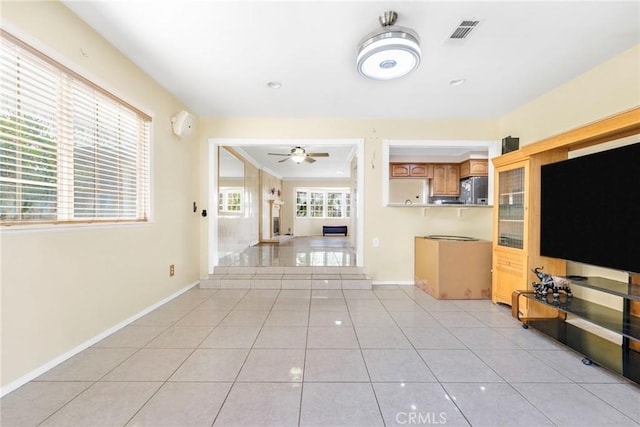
[[411, 170], [516, 225], [446, 180], [474, 167]]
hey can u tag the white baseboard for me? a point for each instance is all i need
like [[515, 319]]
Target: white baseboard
[[392, 282], [8, 388]]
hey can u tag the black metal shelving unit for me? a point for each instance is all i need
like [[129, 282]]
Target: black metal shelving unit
[[619, 357]]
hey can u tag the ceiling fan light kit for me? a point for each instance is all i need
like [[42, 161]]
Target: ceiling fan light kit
[[389, 52], [298, 158], [299, 155]]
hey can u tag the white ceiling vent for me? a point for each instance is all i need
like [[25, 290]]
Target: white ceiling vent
[[463, 30]]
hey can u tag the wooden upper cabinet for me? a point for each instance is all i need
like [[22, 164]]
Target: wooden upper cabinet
[[474, 167], [400, 170], [446, 180], [411, 170], [422, 170]]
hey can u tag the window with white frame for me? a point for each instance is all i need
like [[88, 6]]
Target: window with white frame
[[230, 199], [70, 151], [323, 203]]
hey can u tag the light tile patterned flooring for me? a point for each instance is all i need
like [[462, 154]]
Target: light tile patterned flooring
[[388, 356], [330, 251]]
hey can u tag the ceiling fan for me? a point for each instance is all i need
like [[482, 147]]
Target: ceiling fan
[[299, 155]]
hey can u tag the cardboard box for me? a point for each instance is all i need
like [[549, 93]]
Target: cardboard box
[[453, 269]]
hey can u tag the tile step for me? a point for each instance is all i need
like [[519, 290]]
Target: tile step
[[287, 281], [287, 270]]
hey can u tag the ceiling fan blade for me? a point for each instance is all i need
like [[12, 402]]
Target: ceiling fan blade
[[278, 154], [309, 159], [284, 160]]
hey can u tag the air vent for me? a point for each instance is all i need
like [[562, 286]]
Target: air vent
[[463, 30]]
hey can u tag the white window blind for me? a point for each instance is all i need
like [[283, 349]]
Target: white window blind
[[69, 150]]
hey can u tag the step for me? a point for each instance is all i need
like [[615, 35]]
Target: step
[[236, 280], [288, 270]]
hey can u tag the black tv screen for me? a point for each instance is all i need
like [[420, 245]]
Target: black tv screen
[[590, 209]]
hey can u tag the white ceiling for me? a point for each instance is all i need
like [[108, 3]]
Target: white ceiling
[[336, 166], [218, 56]]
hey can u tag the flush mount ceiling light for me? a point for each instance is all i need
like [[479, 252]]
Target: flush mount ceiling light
[[389, 52]]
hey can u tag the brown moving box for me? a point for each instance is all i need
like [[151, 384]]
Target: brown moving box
[[452, 268]]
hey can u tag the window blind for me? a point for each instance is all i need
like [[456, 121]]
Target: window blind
[[70, 151]]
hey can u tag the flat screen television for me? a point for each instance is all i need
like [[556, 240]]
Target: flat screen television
[[590, 209]]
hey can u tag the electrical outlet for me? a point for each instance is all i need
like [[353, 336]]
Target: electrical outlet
[[172, 270]]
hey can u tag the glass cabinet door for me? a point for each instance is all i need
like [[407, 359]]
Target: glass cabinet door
[[511, 208]]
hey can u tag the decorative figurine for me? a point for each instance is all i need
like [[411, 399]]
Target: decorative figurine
[[549, 282]]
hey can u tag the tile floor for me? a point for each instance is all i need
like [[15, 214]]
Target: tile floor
[[330, 251], [388, 356]]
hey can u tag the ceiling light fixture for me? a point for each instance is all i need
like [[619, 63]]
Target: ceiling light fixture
[[389, 52], [457, 82], [298, 158], [274, 85]]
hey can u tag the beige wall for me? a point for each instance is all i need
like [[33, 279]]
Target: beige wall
[[64, 286], [308, 226], [609, 88], [395, 228]]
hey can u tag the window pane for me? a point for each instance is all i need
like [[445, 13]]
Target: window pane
[[322, 203], [68, 150], [301, 204], [233, 202], [28, 138], [105, 173], [230, 200], [316, 204], [347, 197], [334, 205]]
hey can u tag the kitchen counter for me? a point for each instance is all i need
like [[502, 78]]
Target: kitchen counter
[[435, 205], [453, 267]]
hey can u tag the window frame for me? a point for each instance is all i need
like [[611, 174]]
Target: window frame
[[223, 200], [133, 207], [307, 206]]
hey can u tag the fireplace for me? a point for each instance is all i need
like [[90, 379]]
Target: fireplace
[[271, 224]]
